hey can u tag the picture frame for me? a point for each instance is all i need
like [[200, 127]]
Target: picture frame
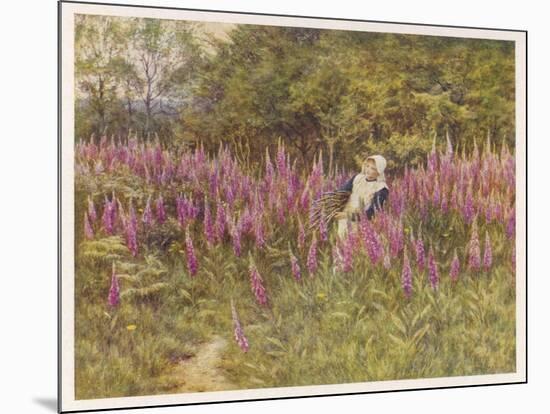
[[69, 223]]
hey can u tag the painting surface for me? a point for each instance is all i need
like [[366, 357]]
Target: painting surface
[[231, 232]]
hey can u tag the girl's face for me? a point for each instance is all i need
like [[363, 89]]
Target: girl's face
[[371, 172]]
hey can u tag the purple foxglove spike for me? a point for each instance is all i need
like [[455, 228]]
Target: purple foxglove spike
[[436, 198], [281, 161], [88, 230], [406, 276], [92, 214], [256, 283], [511, 224], [420, 253], [474, 251], [312, 257], [432, 270], [131, 231], [238, 332], [107, 218], [387, 261], [295, 267], [147, 218], [114, 290], [301, 234], [161, 212], [455, 268], [444, 203], [468, 210], [323, 230], [347, 254], [192, 264], [236, 237], [219, 224], [488, 253], [259, 235], [207, 225]]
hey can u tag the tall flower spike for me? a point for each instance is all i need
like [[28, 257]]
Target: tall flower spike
[[420, 252], [108, 216], [432, 270], [238, 330], [406, 275], [312, 257], [295, 266], [92, 214], [147, 218], [323, 231], [208, 227], [131, 230], [256, 283], [455, 268], [192, 264], [474, 251], [114, 291], [488, 253], [301, 234], [88, 231], [161, 212]]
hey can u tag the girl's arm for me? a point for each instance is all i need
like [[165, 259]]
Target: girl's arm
[[348, 186], [377, 202]]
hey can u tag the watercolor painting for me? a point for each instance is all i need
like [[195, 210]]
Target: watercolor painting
[[262, 206]]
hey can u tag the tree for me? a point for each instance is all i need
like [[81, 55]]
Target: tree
[[99, 43], [164, 54]]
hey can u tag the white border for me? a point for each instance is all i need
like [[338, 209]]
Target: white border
[[68, 403]]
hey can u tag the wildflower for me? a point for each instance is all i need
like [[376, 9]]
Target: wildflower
[[238, 330], [207, 224], [109, 215], [488, 253], [301, 234], [420, 253], [474, 252], [432, 270], [236, 237], [114, 291], [406, 276], [312, 257], [147, 218], [468, 208], [372, 243], [161, 212], [386, 262], [256, 283], [92, 215], [346, 250], [88, 231], [219, 224], [511, 224], [455, 268], [295, 266], [192, 265], [131, 231], [323, 231]]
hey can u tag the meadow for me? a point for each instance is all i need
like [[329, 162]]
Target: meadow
[[175, 248]]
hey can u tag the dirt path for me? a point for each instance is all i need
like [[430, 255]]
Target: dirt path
[[202, 372]]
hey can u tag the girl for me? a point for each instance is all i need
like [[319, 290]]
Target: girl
[[368, 192], [364, 192]]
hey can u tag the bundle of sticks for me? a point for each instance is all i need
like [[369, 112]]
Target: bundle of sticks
[[326, 207]]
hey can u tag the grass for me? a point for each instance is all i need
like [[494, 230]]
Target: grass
[[330, 328]]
